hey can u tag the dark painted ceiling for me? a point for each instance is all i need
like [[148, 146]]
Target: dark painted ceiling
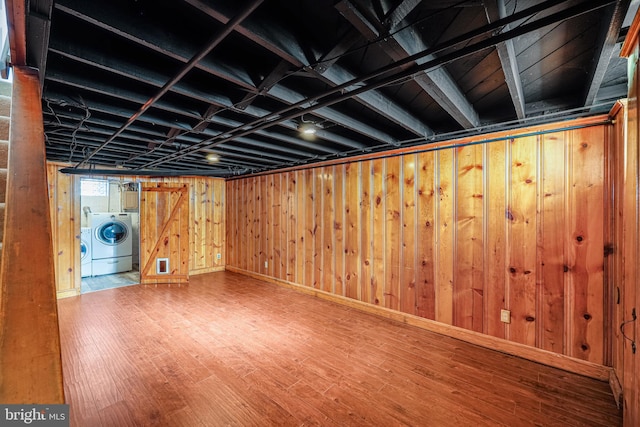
[[157, 86]]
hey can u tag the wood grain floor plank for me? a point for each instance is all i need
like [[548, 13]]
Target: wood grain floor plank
[[232, 350]]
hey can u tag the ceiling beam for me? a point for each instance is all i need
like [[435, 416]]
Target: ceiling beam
[[212, 44], [606, 45], [287, 47], [495, 10], [111, 20], [438, 83]]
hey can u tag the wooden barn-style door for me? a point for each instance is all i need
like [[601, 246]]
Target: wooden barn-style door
[[164, 233]]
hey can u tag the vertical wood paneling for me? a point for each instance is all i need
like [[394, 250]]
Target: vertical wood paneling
[[366, 235], [219, 224], [352, 231], [408, 251], [292, 227], [496, 244], [319, 226], [445, 254], [300, 227], [246, 256], [468, 283], [64, 206], [270, 218], [522, 253], [264, 225], [254, 220], [425, 226], [329, 221], [339, 225], [552, 256], [455, 235], [278, 245], [393, 232], [587, 239], [309, 228], [378, 232]]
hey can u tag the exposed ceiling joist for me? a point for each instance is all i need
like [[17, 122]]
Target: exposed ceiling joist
[[401, 45], [496, 10], [606, 45]]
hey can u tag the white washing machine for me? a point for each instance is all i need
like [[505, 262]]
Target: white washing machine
[[85, 252], [111, 243]]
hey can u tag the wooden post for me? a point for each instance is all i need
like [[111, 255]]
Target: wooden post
[[30, 363]]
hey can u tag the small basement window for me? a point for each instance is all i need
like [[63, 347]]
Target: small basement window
[[94, 187]]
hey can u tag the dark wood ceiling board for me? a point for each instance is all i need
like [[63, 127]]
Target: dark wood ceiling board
[[496, 106], [432, 23], [466, 19], [572, 62], [473, 70], [487, 88], [537, 46]]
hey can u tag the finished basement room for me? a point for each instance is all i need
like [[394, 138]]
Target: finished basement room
[[337, 212]]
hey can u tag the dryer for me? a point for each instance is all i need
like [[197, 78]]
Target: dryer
[[111, 243], [85, 252]]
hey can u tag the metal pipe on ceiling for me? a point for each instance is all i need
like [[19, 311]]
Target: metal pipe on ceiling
[[215, 41]]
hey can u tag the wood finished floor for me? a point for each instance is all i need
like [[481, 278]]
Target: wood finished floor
[[231, 350]]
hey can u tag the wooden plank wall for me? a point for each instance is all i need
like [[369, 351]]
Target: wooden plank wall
[[206, 225], [453, 235]]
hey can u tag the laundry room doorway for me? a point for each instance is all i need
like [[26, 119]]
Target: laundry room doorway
[[110, 234]]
